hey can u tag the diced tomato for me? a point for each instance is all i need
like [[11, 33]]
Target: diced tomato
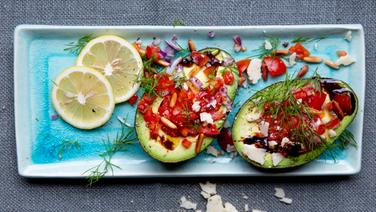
[[153, 51], [170, 132], [225, 139], [329, 106], [293, 122], [320, 129], [186, 143], [185, 131], [133, 99], [333, 124], [144, 103], [300, 51], [344, 101], [243, 65], [228, 77], [210, 71], [264, 71], [316, 101], [218, 115], [300, 95], [199, 58], [209, 130], [275, 66], [165, 85], [149, 116]]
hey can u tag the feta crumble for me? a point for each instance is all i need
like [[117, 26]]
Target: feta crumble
[[345, 60], [348, 36], [196, 106], [212, 151], [254, 70], [253, 117], [206, 117], [277, 158], [285, 141], [209, 188], [292, 59], [186, 204], [279, 192], [268, 45], [264, 127], [332, 133], [254, 153], [286, 200]]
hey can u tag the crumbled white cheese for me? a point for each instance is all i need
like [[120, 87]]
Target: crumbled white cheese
[[212, 151], [316, 45], [264, 127], [206, 117], [230, 148], [345, 60], [245, 196], [299, 101], [196, 106], [286, 200], [254, 70], [279, 192], [292, 59], [253, 117], [268, 45], [272, 143], [246, 208], [185, 86], [186, 204], [285, 141], [214, 204], [277, 158], [254, 153], [209, 187], [230, 208], [205, 195], [212, 103], [348, 36], [332, 133]]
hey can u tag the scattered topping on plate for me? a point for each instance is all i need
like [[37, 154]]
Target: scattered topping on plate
[[211, 34], [348, 36], [345, 60], [186, 204], [254, 70]]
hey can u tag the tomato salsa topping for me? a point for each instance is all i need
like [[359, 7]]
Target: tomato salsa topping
[[182, 104], [299, 116]]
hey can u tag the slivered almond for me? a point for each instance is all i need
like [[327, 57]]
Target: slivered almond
[[331, 64], [191, 45], [193, 87], [303, 71], [341, 53], [168, 123], [173, 99], [199, 143], [312, 59], [194, 71], [243, 49], [163, 63], [281, 51]]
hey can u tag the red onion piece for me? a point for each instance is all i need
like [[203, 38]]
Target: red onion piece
[[211, 34], [174, 64], [156, 42], [54, 117], [228, 61], [173, 45], [196, 82], [174, 37], [238, 40]]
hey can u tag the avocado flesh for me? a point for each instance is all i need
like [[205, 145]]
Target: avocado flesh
[[156, 150], [242, 128]]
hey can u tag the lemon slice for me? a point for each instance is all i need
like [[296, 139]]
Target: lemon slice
[[83, 97], [118, 60]]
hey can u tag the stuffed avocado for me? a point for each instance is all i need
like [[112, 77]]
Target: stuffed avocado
[[290, 123], [187, 106]]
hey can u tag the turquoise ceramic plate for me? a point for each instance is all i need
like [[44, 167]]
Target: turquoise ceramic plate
[[39, 56]]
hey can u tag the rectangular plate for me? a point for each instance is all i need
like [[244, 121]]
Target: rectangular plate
[[39, 56]]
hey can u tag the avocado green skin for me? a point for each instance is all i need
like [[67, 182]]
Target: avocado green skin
[[157, 151], [290, 161]]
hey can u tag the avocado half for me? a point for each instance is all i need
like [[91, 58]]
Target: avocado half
[[156, 150], [242, 128]]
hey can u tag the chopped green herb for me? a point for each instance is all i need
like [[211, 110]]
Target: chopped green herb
[[76, 47], [126, 137], [177, 22], [65, 146], [307, 39], [261, 52]]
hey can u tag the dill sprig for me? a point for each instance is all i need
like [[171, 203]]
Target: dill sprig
[[126, 137], [305, 39], [66, 145], [178, 22], [281, 94], [148, 84], [75, 47], [346, 139], [261, 52]]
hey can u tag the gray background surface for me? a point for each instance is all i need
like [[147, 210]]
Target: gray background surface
[[357, 193]]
